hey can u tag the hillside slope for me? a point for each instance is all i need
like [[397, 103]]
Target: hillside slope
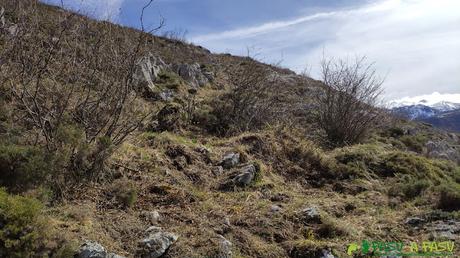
[[177, 173]]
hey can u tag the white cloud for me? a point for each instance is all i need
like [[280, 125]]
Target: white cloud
[[416, 43], [100, 9]]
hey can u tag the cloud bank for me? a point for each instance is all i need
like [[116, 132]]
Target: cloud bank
[[429, 99], [415, 43], [108, 10]]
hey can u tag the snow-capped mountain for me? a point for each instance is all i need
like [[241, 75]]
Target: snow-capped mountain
[[415, 111], [423, 110], [445, 106], [441, 114]]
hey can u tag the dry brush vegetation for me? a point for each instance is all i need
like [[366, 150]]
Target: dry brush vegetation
[[248, 157]]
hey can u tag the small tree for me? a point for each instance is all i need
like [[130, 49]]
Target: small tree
[[347, 105], [71, 80], [252, 100]]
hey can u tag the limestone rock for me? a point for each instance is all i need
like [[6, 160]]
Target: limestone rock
[[152, 216], [193, 74], [230, 160], [225, 248], [146, 74], [156, 243], [311, 215], [91, 249], [246, 176], [442, 150]]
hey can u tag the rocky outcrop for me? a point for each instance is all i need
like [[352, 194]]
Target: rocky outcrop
[[194, 74], [225, 248], [156, 243], [91, 249], [147, 73], [230, 160], [442, 150], [449, 229], [242, 177], [246, 176]]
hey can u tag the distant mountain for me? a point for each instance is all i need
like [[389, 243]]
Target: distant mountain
[[415, 111], [449, 120], [443, 114]]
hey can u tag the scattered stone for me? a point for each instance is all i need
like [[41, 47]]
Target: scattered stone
[[311, 215], [193, 74], [157, 243], [227, 222], [230, 160], [152, 216], [225, 248], [146, 74], [242, 177], [414, 221], [442, 150], [275, 208], [445, 230], [91, 249], [327, 254], [246, 176]]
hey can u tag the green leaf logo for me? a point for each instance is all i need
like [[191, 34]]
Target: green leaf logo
[[365, 246], [351, 248]]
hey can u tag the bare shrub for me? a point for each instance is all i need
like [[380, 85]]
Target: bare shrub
[[72, 81], [250, 103], [347, 105]]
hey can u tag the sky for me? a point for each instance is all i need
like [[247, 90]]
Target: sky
[[415, 44]]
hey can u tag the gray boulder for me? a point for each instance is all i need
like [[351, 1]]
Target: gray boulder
[[225, 248], [311, 215], [414, 221], [91, 249], [445, 229], [246, 176], [442, 150], [230, 160], [152, 216], [242, 177], [156, 243], [147, 72], [326, 254], [193, 74], [275, 208]]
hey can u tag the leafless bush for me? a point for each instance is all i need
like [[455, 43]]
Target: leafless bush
[[72, 81], [179, 35], [252, 100], [346, 107]]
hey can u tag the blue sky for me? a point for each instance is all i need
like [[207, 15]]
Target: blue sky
[[414, 43]]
